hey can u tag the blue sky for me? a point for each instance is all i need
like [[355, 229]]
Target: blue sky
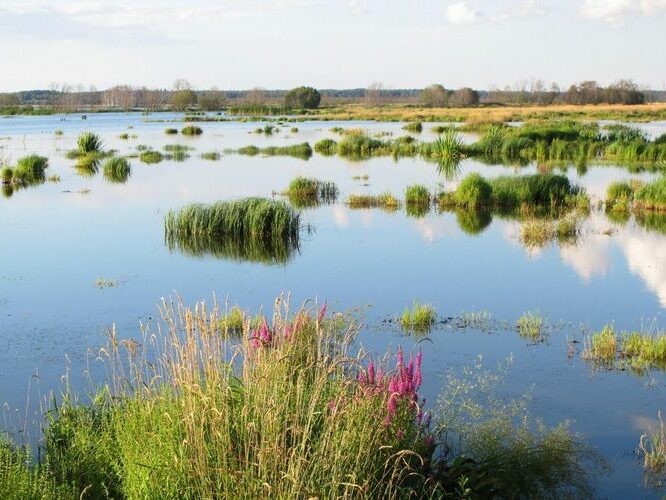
[[330, 43]]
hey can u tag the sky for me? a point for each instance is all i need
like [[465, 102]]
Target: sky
[[238, 44]]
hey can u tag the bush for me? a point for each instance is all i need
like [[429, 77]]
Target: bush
[[302, 97]]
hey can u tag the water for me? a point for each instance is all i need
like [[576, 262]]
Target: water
[[57, 240]]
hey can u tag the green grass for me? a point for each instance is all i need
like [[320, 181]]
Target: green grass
[[619, 196], [191, 130], [6, 175], [417, 194], [247, 229], [211, 155], [448, 148], [637, 350], [306, 192], [151, 156], [171, 131], [539, 232], [420, 318], [30, 170], [88, 143], [531, 326], [652, 447], [117, 170], [416, 127], [651, 196], [302, 151], [123, 136], [326, 147], [473, 192], [384, 200]]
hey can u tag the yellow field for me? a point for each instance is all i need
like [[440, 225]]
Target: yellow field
[[397, 112]]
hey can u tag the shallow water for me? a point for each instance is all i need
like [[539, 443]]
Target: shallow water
[[57, 240]]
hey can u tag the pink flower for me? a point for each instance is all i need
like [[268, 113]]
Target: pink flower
[[371, 373], [322, 313]]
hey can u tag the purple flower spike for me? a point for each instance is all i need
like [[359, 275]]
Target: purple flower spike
[[322, 313], [371, 373]]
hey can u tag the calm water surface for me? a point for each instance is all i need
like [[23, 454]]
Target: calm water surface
[[57, 240]]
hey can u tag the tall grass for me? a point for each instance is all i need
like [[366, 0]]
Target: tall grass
[[652, 447], [326, 147], [249, 228], [151, 156], [191, 130], [419, 319], [619, 196], [306, 192], [651, 196], [384, 200], [30, 170], [639, 351], [416, 127], [417, 194], [88, 143], [302, 151], [117, 170]]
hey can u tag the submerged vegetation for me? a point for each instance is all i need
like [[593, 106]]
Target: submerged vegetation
[[304, 192], [253, 229]]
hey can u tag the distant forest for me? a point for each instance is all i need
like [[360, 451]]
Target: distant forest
[[182, 95]]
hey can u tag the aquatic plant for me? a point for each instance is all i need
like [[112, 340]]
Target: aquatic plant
[[6, 175], [413, 127], [619, 196], [420, 318], [417, 194], [302, 151], [151, 156], [306, 192], [171, 131], [652, 447], [123, 136], [651, 196], [211, 155], [326, 147], [191, 130], [232, 322], [472, 192], [384, 200], [246, 229], [117, 169], [637, 350], [88, 143], [448, 148], [58, 132], [294, 130], [532, 326], [30, 169]]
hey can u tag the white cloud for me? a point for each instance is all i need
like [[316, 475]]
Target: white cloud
[[462, 13], [615, 11]]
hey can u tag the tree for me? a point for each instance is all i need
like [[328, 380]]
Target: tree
[[212, 100], [435, 96], [302, 97], [375, 94], [465, 97], [183, 99]]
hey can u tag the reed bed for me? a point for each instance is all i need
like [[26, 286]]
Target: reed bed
[[384, 200], [117, 170], [302, 151], [249, 229], [651, 196], [305, 192], [639, 351]]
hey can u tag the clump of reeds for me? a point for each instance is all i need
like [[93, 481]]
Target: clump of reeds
[[472, 192], [531, 325], [651, 196], [262, 227], [302, 151], [29, 170], [151, 156], [88, 143], [308, 192], [326, 147], [637, 350], [417, 194], [539, 232], [619, 196], [171, 131], [191, 130], [420, 318], [211, 155], [384, 200], [124, 136], [652, 447], [117, 170], [416, 127], [6, 175]]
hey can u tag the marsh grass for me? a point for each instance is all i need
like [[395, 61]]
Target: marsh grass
[[326, 147], [638, 351], [384, 200], [419, 319], [117, 170], [651, 196], [302, 151], [191, 130], [652, 447], [171, 131], [88, 143], [417, 194], [532, 326], [619, 196], [7, 175], [416, 127], [304, 192], [211, 156], [30, 170], [151, 156], [539, 232], [247, 229]]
